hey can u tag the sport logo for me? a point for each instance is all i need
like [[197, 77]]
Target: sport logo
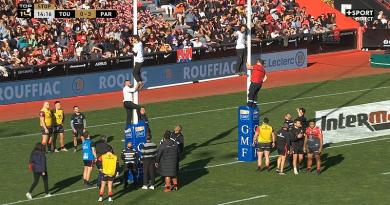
[[244, 114], [300, 58], [374, 121], [101, 63], [139, 131], [355, 122], [78, 85]]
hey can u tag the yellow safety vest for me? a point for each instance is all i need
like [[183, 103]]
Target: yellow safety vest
[[59, 116], [48, 117], [265, 133], [109, 164]]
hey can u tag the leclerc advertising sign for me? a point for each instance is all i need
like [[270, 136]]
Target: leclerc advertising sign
[[355, 122], [109, 81]]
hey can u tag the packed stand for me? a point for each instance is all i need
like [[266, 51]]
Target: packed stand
[[191, 23]]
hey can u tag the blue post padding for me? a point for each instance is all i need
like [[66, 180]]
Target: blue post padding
[[136, 133], [248, 120]]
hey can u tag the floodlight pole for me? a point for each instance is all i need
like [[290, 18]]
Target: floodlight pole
[[248, 43], [135, 32]]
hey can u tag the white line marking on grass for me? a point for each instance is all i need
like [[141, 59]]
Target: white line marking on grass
[[59, 194], [241, 200], [386, 173], [195, 169], [361, 142], [216, 110]]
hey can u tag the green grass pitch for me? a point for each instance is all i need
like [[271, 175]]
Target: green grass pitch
[[209, 172]]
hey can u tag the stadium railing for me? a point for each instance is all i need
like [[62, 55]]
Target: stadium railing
[[315, 43]]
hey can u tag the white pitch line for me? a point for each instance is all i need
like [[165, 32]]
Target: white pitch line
[[195, 169], [241, 200], [216, 110], [59, 194], [386, 173]]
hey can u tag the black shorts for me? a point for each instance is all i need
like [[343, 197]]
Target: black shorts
[[108, 178], [58, 129], [88, 163], [282, 150], [50, 129], [314, 150], [261, 147], [297, 149], [78, 133]]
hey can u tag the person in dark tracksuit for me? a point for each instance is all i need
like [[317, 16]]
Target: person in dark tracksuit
[[288, 120], [101, 147], [301, 116], [149, 152], [166, 161], [283, 146], [144, 117], [258, 77], [38, 166], [297, 144], [178, 137], [130, 158]]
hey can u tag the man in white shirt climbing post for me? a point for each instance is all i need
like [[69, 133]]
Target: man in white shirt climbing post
[[128, 104], [138, 52], [240, 49]]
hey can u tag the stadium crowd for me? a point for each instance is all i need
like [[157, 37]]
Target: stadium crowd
[[187, 23]]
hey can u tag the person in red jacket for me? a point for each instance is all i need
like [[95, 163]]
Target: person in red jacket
[[258, 77]]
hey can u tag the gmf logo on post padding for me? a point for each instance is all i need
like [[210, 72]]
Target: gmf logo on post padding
[[300, 58], [78, 85]]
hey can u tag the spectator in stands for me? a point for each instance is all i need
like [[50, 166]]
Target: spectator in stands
[[240, 49], [212, 21], [167, 6]]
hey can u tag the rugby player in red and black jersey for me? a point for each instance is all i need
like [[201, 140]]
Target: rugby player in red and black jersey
[[313, 144], [258, 77]]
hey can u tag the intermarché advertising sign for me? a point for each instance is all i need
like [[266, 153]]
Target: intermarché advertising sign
[[109, 81], [355, 122]]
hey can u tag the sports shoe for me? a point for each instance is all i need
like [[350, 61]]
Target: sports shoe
[[151, 187], [100, 199], [318, 172], [259, 169], [64, 149], [110, 199], [144, 187], [28, 195], [48, 195], [56, 150], [75, 150], [282, 173], [167, 190], [295, 171], [277, 170]]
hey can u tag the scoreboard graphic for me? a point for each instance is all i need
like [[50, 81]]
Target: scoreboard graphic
[[47, 11]]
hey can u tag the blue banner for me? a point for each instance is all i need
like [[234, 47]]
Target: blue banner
[[136, 134], [248, 120], [109, 81]]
